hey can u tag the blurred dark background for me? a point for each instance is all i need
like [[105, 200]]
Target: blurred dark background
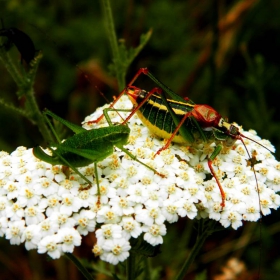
[[221, 53]]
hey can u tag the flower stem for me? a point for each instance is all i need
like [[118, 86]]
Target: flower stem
[[109, 22], [199, 242], [38, 116], [130, 266], [17, 77], [78, 264], [25, 81]]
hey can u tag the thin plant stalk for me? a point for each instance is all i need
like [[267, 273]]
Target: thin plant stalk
[[109, 22], [206, 231]]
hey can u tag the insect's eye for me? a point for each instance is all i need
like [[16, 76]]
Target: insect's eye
[[233, 130], [143, 94]]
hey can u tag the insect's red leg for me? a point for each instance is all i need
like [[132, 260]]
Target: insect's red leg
[[111, 106], [154, 90], [139, 72], [173, 134], [218, 182], [95, 121]]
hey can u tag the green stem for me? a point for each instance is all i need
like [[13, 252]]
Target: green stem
[[25, 85], [147, 269], [32, 106], [16, 110], [78, 264], [199, 242], [130, 266], [109, 22], [17, 77]]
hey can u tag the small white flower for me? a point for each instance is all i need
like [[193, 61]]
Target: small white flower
[[55, 173], [70, 204], [117, 250], [50, 244], [45, 186], [31, 236], [130, 227], [108, 231], [28, 197], [63, 220], [106, 192], [97, 250], [137, 193], [155, 198], [215, 210], [12, 189], [149, 216], [194, 194], [33, 215], [5, 204], [48, 227], [186, 208], [69, 238], [107, 215], [232, 218], [3, 226], [14, 232], [52, 204], [154, 234], [122, 206], [26, 178], [169, 211], [275, 201], [85, 221], [67, 186], [86, 197], [252, 211], [15, 212]]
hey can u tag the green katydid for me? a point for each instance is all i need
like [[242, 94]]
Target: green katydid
[[87, 146]]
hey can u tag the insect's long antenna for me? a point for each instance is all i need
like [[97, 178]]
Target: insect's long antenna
[[106, 99], [96, 87], [253, 168], [242, 135], [258, 190]]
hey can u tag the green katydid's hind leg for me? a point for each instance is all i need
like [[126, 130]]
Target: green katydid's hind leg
[[82, 176], [107, 117], [121, 147], [70, 165], [136, 159]]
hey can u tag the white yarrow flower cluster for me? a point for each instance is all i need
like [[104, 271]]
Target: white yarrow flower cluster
[[48, 210]]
